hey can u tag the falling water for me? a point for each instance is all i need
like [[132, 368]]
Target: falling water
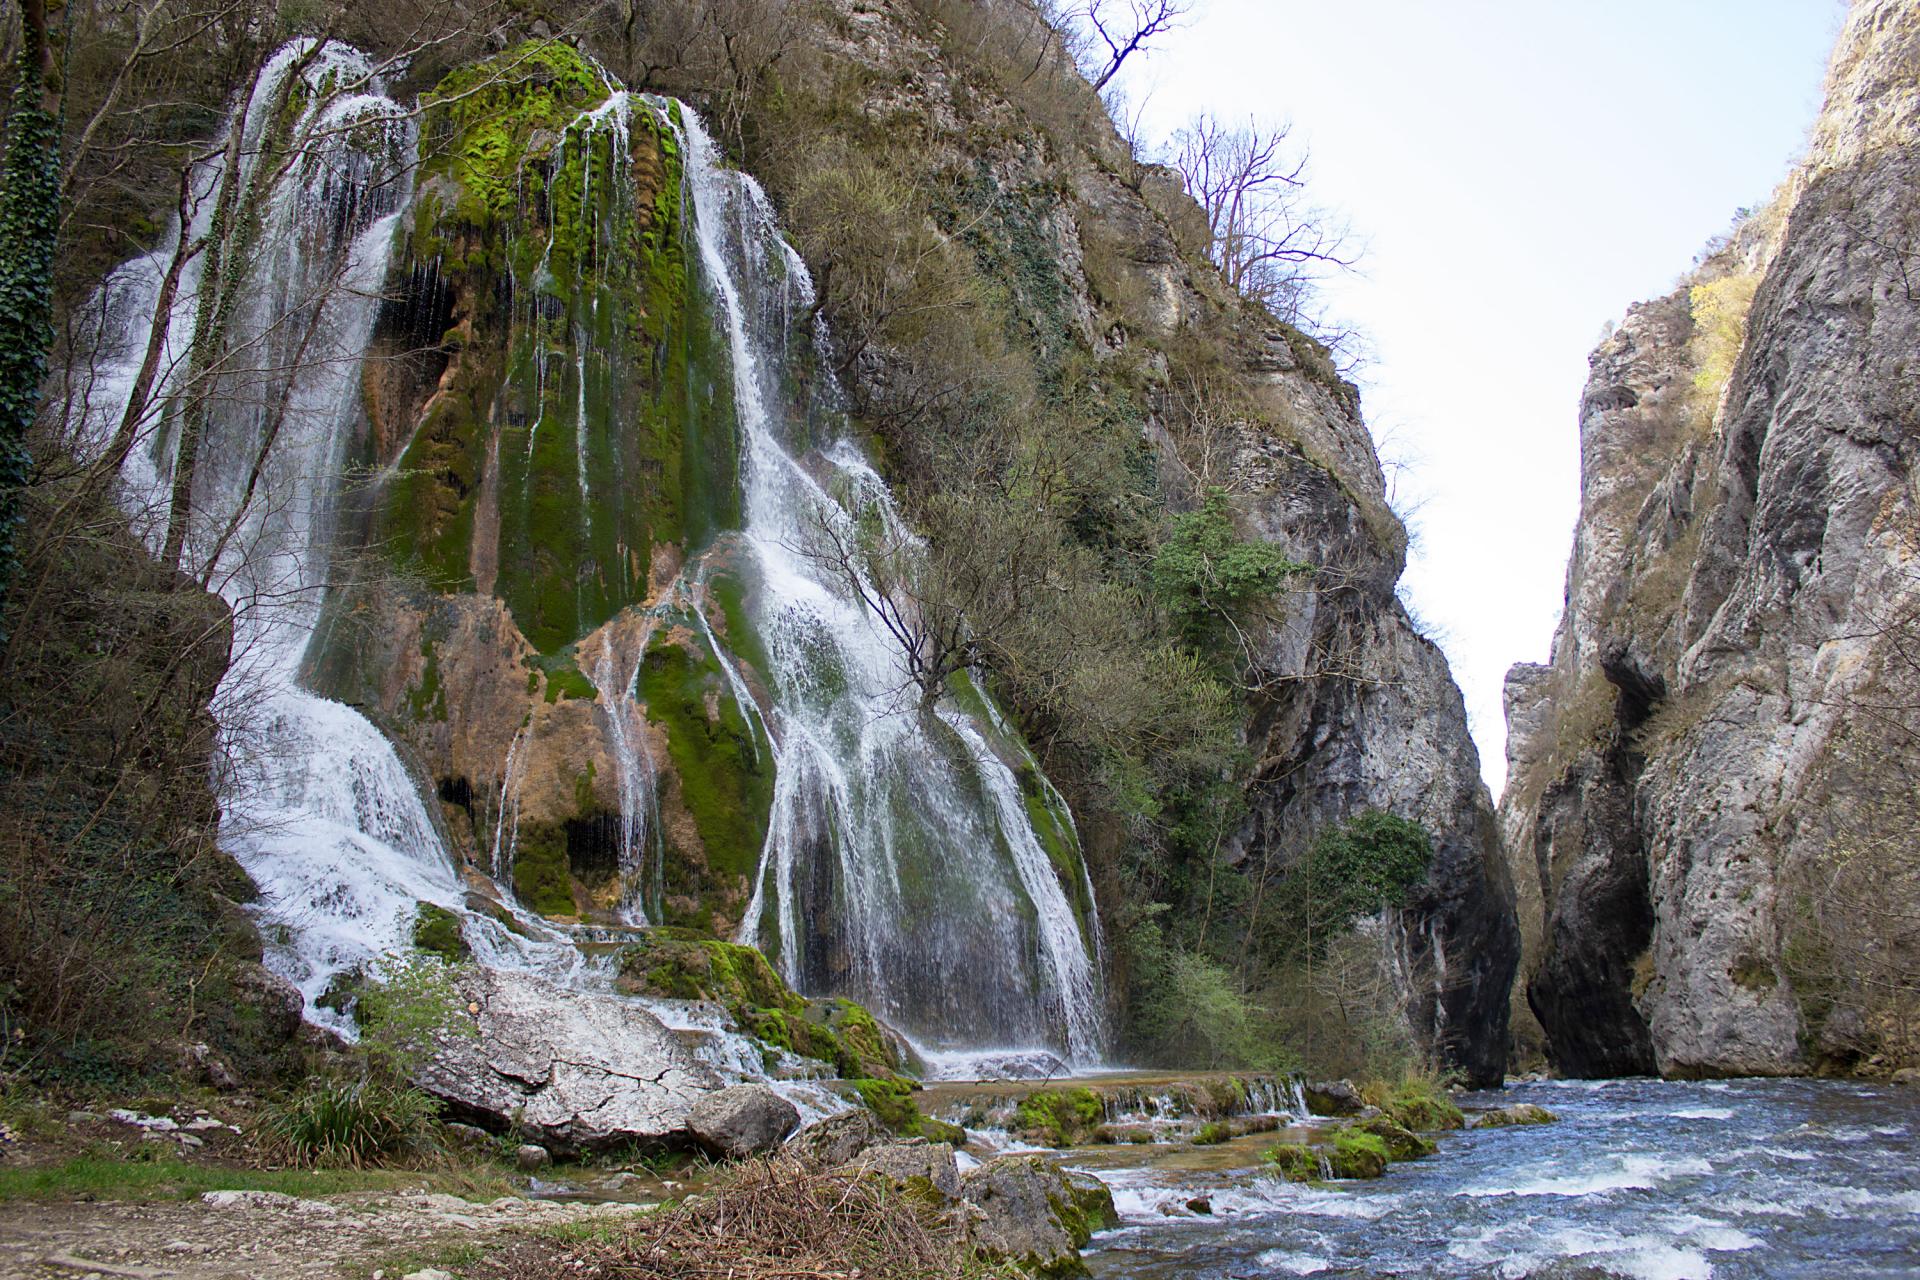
[[320, 810], [902, 863]]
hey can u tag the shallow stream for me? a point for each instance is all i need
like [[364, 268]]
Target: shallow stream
[[1641, 1179]]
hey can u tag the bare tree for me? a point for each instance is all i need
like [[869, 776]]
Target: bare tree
[[1268, 241], [1111, 31]]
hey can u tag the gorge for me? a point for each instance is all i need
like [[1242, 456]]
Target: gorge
[[730, 581]]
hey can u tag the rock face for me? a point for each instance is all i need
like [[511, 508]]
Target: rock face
[[1705, 777], [579, 1072], [745, 1120]]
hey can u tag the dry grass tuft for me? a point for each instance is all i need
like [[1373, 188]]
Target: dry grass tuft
[[767, 1220]]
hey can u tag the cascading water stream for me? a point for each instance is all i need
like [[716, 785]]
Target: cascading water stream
[[903, 864], [319, 808], [902, 860]]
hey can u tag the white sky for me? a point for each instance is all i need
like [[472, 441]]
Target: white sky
[[1520, 171]]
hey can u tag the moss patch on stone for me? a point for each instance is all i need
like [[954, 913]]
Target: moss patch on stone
[[437, 930], [724, 768], [540, 877], [1059, 1117]]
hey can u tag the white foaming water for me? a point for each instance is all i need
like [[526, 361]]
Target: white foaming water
[[939, 897], [903, 813], [1628, 1172]]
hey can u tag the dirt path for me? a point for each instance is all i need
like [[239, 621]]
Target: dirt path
[[255, 1235]]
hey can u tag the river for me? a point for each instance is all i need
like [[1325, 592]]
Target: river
[[1733, 1180]]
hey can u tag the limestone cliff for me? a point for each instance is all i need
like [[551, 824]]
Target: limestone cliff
[[1713, 767]]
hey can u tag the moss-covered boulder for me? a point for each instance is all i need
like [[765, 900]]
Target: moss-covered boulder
[[1420, 1105], [1521, 1113], [1401, 1143], [1357, 1154], [1059, 1117], [437, 930], [678, 964], [1295, 1161]]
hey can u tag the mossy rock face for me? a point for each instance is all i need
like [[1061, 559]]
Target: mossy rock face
[[678, 965], [723, 766], [1401, 1143], [437, 930], [586, 390], [540, 878], [1212, 1134], [1059, 1117]]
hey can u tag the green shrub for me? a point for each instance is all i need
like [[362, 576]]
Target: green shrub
[[1205, 574], [1357, 868], [359, 1122]]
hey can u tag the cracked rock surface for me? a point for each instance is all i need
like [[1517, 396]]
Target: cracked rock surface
[[578, 1071]]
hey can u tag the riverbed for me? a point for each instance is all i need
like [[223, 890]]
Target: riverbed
[[1641, 1179]]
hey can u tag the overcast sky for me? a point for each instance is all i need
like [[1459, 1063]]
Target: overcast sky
[[1521, 171]]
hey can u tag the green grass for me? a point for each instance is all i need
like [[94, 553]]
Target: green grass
[[106, 1178]]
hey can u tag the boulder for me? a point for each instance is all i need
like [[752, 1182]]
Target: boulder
[[744, 1120], [1518, 1113], [528, 1157], [1402, 1143], [572, 1070], [925, 1170], [836, 1139], [1027, 1212], [468, 1137], [1333, 1098], [277, 1000]]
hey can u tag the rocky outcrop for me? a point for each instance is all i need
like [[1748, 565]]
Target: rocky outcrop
[[574, 1070], [1027, 1211], [1704, 777]]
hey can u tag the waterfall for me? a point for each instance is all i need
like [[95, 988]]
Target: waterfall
[[902, 861], [319, 808], [916, 858]]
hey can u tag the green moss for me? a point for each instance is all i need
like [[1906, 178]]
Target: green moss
[[564, 678], [1421, 1105], [540, 877], [724, 768], [1212, 1134], [437, 930], [1401, 1143], [426, 699], [1294, 1161], [679, 966], [601, 394], [1059, 1117], [892, 1104], [1358, 1155]]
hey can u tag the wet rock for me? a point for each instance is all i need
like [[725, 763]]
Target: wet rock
[[836, 1139], [1030, 1214], [1907, 1076], [576, 1071], [1295, 1161], [744, 1120], [1200, 1205], [1519, 1113], [1402, 1143], [529, 1157], [926, 1170], [1333, 1098], [1092, 1199]]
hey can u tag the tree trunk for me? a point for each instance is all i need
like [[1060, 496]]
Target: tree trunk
[[29, 225]]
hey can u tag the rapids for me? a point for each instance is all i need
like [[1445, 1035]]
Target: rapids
[[1640, 1180]]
